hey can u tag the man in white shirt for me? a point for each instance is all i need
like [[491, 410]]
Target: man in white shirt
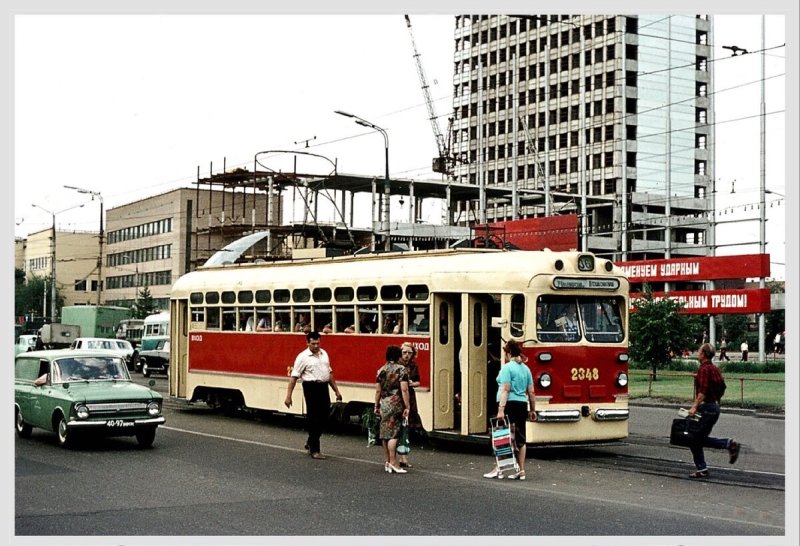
[[313, 367]]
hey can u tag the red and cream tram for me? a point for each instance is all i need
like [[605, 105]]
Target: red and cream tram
[[237, 328]]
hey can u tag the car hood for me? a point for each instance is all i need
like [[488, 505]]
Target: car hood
[[108, 391]]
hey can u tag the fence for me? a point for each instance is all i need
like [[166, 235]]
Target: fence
[[765, 392]]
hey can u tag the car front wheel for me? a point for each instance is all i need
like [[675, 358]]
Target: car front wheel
[[65, 437], [146, 436], [23, 429], [145, 369]]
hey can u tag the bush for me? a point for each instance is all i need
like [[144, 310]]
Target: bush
[[770, 366]]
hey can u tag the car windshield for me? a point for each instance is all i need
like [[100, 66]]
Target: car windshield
[[85, 368], [124, 345]]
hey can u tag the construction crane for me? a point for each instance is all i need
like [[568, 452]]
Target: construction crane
[[442, 163]]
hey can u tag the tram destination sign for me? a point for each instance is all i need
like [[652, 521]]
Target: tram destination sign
[[585, 283]]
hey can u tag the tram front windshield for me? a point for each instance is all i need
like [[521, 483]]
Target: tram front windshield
[[569, 319]]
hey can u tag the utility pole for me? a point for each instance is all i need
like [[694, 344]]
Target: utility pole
[[100, 255]]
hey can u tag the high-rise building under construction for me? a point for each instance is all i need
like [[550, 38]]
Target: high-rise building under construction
[[608, 117]]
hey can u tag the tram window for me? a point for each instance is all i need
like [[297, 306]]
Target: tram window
[[264, 322], [392, 319], [283, 319], [196, 298], [345, 320], [321, 294], [417, 292], [228, 319], [557, 319], [391, 292], [343, 293], [323, 319], [212, 297], [246, 296], [246, 320], [444, 322], [282, 296], [477, 325], [367, 319], [263, 296], [517, 315], [228, 297], [301, 295], [212, 318], [602, 319], [198, 314], [302, 319], [367, 293], [418, 319]]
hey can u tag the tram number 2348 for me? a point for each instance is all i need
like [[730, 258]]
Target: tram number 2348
[[585, 374]]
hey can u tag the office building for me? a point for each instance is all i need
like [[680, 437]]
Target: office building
[[609, 117]]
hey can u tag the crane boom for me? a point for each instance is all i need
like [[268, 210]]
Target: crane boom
[[437, 132]]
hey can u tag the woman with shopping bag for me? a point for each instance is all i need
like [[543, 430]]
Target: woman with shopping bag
[[514, 395], [392, 404]]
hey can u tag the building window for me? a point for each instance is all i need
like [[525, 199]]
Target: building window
[[700, 142]]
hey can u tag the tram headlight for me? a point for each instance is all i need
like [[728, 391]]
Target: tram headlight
[[622, 379], [545, 380], [622, 357]]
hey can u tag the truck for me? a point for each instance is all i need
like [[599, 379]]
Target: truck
[[59, 336], [95, 320]]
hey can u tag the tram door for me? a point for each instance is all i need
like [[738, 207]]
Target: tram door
[[179, 345], [443, 360], [474, 356]]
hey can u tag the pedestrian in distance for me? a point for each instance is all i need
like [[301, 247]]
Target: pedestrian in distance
[[745, 350], [313, 367], [709, 387], [723, 350], [513, 398], [392, 403]]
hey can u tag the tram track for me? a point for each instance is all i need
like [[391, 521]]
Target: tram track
[[659, 466]]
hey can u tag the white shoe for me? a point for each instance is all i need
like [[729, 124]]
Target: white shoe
[[396, 470], [493, 474]]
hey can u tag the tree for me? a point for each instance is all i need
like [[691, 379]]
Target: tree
[[656, 328], [145, 305], [32, 296]]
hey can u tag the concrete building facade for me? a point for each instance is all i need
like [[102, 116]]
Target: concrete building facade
[[76, 264], [609, 117], [152, 242]]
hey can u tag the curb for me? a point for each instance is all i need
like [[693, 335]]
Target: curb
[[735, 411]]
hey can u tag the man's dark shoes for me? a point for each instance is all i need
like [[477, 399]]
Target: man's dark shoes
[[699, 474], [733, 449]]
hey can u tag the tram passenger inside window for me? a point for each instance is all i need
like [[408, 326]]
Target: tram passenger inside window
[[327, 329], [264, 325], [278, 326], [398, 327], [301, 323]]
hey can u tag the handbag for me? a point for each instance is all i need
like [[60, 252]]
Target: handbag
[[684, 431], [404, 441], [372, 424]]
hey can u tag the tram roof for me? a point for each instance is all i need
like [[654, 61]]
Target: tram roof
[[439, 268]]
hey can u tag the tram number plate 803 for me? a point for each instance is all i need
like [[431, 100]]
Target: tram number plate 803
[[118, 423], [585, 374]]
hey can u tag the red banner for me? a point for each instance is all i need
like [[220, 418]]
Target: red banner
[[553, 232], [697, 269], [718, 302]]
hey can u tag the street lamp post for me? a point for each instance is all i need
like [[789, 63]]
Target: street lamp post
[[53, 256], [386, 221], [100, 255]]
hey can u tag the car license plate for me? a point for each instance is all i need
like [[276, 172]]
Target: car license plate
[[118, 423]]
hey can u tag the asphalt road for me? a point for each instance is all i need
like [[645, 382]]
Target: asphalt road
[[212, 475]]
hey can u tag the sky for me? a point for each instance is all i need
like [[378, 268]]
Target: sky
[[132, 105]]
